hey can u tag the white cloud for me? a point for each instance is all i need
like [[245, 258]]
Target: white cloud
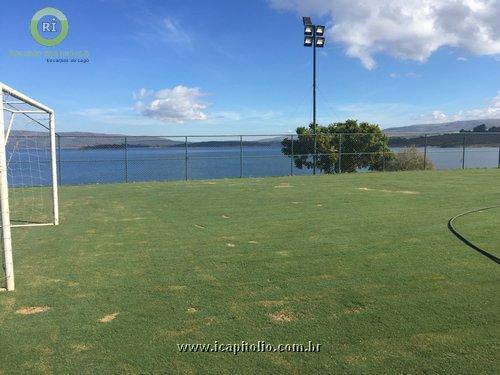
[[462, 59], [178, 104], [491, 110], [122, 116], [154, 30], [142, 93], [175, 33], [406, 29], [438, 116]]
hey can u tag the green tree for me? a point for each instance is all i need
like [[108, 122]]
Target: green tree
[[361, 145], [480, 128]]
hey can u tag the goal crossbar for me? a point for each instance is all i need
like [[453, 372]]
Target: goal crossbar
[[24, 98]]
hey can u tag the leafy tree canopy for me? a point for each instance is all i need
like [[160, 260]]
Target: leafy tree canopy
[[361, 146]]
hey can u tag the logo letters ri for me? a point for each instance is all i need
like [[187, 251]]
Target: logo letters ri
[[49, 26]]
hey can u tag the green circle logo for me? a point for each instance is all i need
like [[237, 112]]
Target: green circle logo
[[60, 30]]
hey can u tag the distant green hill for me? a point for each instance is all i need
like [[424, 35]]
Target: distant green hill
[[445, 127], [448, 140]]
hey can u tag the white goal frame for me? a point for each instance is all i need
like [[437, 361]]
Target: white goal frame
[[5, 130]]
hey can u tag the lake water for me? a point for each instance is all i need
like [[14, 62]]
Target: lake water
[[78, 166], [147, 164]]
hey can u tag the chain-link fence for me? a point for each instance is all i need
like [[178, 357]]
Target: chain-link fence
[[116, 159]]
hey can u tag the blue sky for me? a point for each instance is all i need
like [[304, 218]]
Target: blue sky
[[231, 67]]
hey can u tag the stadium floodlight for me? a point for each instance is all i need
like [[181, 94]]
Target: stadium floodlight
[[313, 37], [28, 168], [307, 21], [320, 30]]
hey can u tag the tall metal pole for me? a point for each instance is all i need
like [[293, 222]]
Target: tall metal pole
[[59, 175], [241, 156], [498, 156], [463, 152], [126, 159], [340, 153], [314, 100], [425, 153], [186, 158]]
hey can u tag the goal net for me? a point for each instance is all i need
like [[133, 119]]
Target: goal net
[[28, 169]]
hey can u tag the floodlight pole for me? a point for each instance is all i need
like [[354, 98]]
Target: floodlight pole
[[314, 35], [314, 100]]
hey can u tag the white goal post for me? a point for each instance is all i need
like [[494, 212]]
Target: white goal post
[[28, 169]]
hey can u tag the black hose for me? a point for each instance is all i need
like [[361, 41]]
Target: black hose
[[468, 242]]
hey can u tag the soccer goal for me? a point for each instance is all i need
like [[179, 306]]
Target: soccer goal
[[28, 169]]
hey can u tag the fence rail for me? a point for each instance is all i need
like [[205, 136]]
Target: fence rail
[[114, 159]]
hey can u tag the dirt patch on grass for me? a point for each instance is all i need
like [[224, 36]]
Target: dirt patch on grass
[[225, 217], [108, 318], [409, 192], [192, 310], [283, 185], [199, 226], [32, 310], [282, 317], [231, 244]]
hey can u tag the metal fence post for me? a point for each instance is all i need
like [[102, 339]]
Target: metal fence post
[[498, 156], [186, 158], [126, 159], [293, 157], [425, 152], [463, 151], [241, 156], [340, 153], [315, 151], [59, 176]]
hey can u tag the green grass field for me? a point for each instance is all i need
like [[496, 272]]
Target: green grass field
[[362, 264]]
